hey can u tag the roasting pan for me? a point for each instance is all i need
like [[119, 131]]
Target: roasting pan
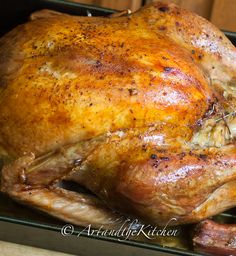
[[26, 226]]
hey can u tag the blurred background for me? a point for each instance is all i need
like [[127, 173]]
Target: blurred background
[[220, 12]]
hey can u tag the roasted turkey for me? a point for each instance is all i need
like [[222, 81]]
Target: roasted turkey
[[138, 109]]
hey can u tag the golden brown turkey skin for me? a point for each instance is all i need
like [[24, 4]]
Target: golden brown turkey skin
[[66, 79], [128, 107], [157, 183], [152, 181]]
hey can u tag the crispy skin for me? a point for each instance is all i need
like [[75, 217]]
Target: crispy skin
[[154, 183], [67, 79], [206, 43]]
